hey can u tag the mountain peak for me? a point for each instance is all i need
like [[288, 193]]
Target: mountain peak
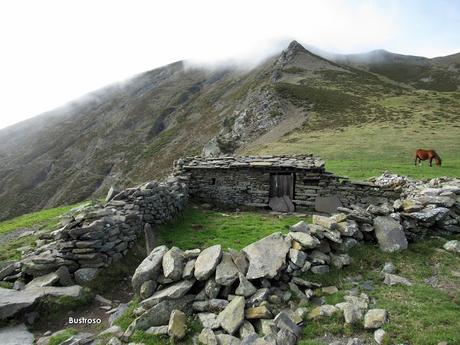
[[294, 47]]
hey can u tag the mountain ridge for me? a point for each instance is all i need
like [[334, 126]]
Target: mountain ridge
[[132, 131]]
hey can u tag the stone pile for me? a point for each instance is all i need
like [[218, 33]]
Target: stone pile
[[235, 294], [431, 207], [100, 235]]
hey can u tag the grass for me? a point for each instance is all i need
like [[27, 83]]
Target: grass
[[361, 153], [420, 314], [62, 336], [46, 220], [199, 228]]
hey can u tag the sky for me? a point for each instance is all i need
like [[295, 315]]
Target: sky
[[53, 51]]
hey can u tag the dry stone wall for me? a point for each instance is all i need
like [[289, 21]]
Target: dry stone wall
[[101, 235]]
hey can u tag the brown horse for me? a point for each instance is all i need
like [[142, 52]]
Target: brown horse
[[423, 155]]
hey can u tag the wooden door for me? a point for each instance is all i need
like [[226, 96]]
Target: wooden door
[[281, 185]]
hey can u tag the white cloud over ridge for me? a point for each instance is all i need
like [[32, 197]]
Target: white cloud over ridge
[[53, 51]]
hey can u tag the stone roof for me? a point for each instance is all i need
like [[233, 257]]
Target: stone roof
[[306, 162]]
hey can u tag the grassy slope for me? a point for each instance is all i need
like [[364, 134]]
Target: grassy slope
[[363, 125], [47, 220], [420, 314]]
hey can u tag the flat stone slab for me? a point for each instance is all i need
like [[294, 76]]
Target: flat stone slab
[[327, 204], [16, 335], [12, 301]]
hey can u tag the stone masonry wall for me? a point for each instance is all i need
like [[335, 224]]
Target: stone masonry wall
[[101, 235]]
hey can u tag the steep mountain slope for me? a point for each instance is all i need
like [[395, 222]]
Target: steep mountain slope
[[132, 131]]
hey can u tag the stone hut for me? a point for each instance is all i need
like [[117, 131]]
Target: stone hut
[[278, 182]]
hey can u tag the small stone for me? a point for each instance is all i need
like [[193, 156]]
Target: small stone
[[157, 330], [299, 227], [245, 288], [85, 275], [388, 267], [297, 257], [379, 336], [393, 279], [375, 318], [323, 310], [211, 288], [328, 223], [329, 290], [147, 289], [321, 269], [452, 246], [207, 262], [306, 240], [246, 329], [207, 337], [226, 271], [226, 339], [208, 320], [176, 326], [260, 312], [390, 234], [231, 318], [173, 264]]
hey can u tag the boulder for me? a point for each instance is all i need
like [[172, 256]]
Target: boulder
[[174, 291], [327, 204], [16, 335], [226, 271], [390, 234], [147, 289], [150, 268], [262, 265], [352, 313], [231, 318], [207, 261], [173, 264], [177, 325], [375, 318]]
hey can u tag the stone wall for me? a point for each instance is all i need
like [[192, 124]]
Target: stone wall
[[243, 187], [101, 235]]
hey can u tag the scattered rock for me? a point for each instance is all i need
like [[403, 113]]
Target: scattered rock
[[375, 318], [452, 246], [379, 336], [393, 279]]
